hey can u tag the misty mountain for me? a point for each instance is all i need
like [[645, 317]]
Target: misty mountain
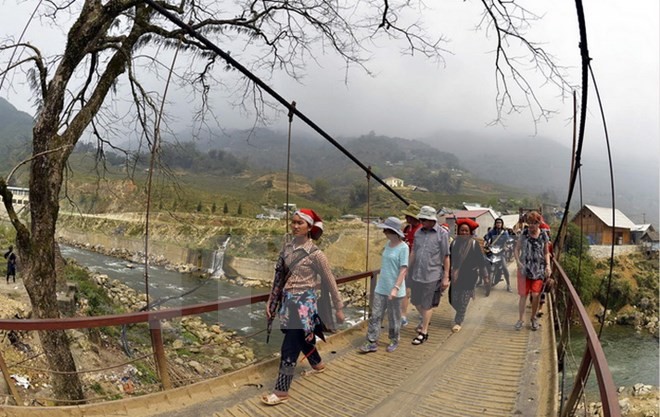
[[541, 165], [313, 157], [537, 165], [15, 135]]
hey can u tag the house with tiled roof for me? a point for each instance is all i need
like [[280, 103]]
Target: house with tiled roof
[[598, 223]]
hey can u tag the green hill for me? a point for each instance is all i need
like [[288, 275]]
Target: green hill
[[15, 136], [242, 172]]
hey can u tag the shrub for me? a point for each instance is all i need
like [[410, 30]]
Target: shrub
[[621, 293], [99, 302], [586, 283]]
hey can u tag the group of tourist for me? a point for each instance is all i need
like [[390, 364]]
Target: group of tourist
[[418, 264]]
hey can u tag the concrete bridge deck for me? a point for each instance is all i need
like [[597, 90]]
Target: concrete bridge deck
[[487, 369]]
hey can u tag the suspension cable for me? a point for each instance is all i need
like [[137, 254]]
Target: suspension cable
[[584, 53], [231, 61], [613, 195], [366, 265], [288, 166]]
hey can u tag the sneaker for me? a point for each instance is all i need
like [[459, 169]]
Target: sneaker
[[456, 328], [404, 321], [392, 346], [368, 347], [519, 324], [535, 324]]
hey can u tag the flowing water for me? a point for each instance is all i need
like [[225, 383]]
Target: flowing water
[[631, 356]]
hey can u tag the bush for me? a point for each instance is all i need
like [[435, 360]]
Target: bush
[[99, 302], [621, 293], [587, 283]]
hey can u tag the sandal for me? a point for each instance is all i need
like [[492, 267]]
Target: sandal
[[318, 370], [273, 399], [420, 338]]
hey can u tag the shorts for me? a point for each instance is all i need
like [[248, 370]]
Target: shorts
[[425, 294], [527, 286]]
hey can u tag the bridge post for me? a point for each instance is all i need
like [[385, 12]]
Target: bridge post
[[578, 387], [159, 353], [10, 383]]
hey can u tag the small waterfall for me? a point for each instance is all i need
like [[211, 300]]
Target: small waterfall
[[216, 270]]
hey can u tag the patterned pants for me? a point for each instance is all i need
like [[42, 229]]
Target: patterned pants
[[380, 304], [460, 300], [294, 343]]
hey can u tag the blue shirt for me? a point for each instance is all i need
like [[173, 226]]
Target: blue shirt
[[492, 236], [390, 265]]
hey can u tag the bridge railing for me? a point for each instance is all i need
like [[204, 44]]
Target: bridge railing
[[593, 354], [154, 318]]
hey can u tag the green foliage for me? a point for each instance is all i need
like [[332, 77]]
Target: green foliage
[[621, 293], [186, 156], [358, 194], [436, 180], [146, 374], [239, 210], [99, 302], [97, 388], [582, 276], [199, 207], [575, 243], [213, 208], [321, 189], [225, 209], [579, 265]]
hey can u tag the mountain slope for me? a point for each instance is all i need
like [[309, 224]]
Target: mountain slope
[[15, 135]]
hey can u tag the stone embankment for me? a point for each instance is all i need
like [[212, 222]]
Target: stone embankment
[[353, 294], [226, 347], [133, 258], [604, 251]]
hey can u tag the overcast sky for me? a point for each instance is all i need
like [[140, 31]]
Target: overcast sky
[[411, 97]]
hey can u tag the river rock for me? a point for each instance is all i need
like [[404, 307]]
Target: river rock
[[197, 367], [641, 389], [625, 406]]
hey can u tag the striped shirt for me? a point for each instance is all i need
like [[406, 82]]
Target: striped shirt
[[304, 274]]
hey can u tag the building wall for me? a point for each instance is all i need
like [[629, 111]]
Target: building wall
[[20, 200], [597, 232]]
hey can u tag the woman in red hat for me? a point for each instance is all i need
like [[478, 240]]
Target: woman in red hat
[[467, 263], [299, 312]]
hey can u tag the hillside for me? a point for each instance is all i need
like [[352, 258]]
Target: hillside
[[15, 136], [456, 166]]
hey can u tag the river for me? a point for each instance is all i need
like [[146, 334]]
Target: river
[[248, 321], [631, 356]]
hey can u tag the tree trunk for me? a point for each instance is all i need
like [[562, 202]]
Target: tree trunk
[[40, 250]]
